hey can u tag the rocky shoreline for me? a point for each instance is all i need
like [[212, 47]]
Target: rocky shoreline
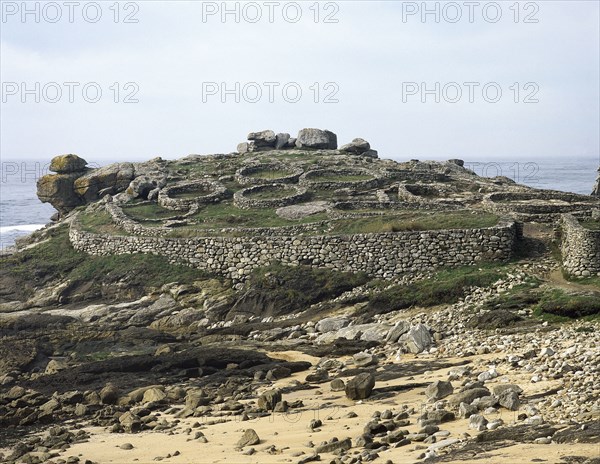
[[138, 358]]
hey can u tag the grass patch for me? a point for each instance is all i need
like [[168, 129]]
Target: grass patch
[[145, 211], [56, 259], [189, 195], [446, 287], [99, 222], [592, 224], [415, 220], [557, 305], [519, 297], [270, 174], [226, 215]]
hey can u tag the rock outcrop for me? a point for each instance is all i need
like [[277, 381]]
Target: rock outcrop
[[57, 189], [316, 139], [596, 191], [74, 184]]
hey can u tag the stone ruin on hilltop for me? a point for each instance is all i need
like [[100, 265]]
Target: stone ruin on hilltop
[[303, 200]]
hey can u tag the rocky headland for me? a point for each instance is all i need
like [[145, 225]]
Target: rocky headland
[[294, 301]]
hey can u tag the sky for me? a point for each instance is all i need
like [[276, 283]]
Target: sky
[[134, 80]]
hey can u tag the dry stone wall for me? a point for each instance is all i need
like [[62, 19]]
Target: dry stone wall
[[580, 248], [382, 255]]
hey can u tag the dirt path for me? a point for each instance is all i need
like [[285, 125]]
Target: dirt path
[[557, 279]]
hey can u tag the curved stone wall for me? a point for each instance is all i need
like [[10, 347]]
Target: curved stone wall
[[383, 255], [243, 175], [543, 208], [295, 194], [214, 193], [310, 178], [580, 248]]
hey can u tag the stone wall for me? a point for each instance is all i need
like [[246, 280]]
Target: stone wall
[[293, 194], [580, 248], [541, 205], [209, 191], [382, 255]]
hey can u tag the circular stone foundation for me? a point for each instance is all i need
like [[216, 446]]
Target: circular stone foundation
[[548, 202], [269, 196], [267, 174], [184, 196], [332, 178]]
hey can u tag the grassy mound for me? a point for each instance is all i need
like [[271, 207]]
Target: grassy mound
[[445, 287], [558, 305], [415, 220], [56, 259]]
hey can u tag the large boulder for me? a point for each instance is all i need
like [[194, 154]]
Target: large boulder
[[361, 386], [316, 139], [262, 139], [438, 390], [329, 324], [110, 179], [57, 189], [249, 438], [66, 164], [596, 191], [417, 339], [359, 147], [141, 186], [269, 399]]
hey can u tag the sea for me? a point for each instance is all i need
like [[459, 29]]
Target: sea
[[21, 212]]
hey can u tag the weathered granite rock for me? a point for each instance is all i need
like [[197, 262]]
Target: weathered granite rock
[[337, 385], [438, 390], [109, 179], [57, 189], [335, 445], [109, 394], [356, 147], [316, 138], [468, 396], [397, 331], [281, 140], [66, 164], [509, 399], [329, 324], [363, 359], [141, 186], [361, 386], [417, 339], [266, 138], [269, 399], [249, 438]]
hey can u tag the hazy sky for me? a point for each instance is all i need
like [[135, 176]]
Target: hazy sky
[[367, 72]]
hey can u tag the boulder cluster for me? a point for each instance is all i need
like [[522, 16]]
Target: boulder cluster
[[307, 139]]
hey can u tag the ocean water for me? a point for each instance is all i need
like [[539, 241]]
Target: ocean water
[[21, 212]]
